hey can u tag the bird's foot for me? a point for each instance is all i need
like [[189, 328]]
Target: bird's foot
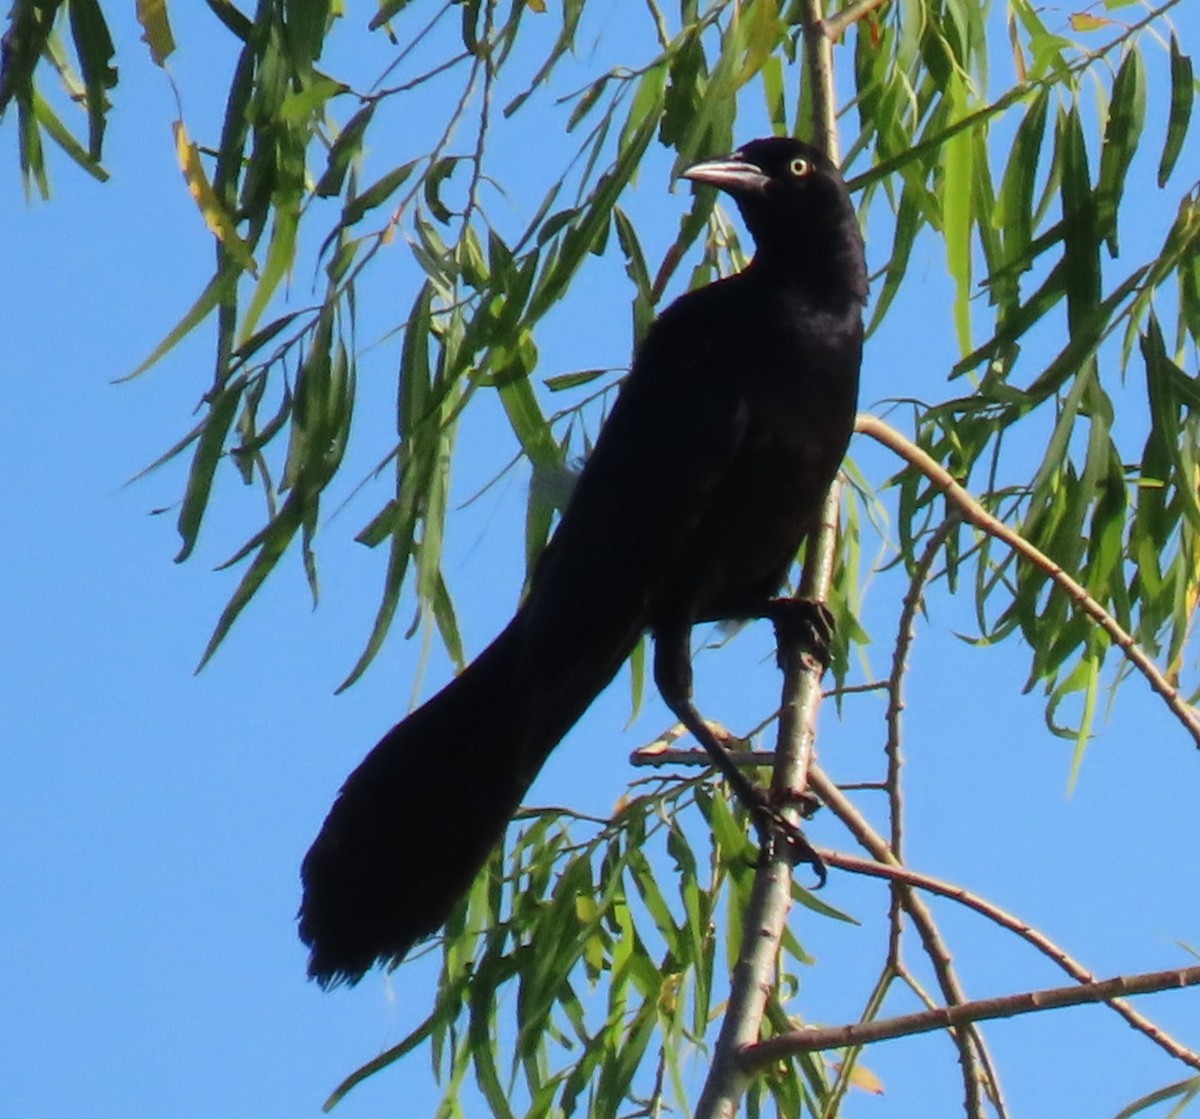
[[777, 834], [805, 622]]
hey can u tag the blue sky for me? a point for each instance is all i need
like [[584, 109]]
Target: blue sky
[[154, 819]]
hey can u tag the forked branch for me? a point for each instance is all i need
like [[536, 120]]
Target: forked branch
[[974, 513]]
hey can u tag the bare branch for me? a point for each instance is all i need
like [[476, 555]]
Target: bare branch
[[1013, 924], [834, 27], [922, 919], [1007, 1006], [977, 515]]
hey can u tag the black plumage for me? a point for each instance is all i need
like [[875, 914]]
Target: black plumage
[[704, 480]]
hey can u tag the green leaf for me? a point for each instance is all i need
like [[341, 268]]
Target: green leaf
[[31, 23], [280, 257], [61, 135], [1126, 118], [307, 102], [217, 290], [233, 19], [957, 179], [95, 49], [1014, 209], [344, 151], [387, 9], [271, 543], [376, 194], [1081, 245], [1182, 97], [204, 463]]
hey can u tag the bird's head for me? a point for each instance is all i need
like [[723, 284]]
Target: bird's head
[[794, 202]]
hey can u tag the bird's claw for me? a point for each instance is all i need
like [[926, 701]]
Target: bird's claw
[[806, 622], [775, 829]]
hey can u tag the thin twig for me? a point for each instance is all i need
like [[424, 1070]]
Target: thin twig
[[1013, 924], [835, 26], [978, 516], [931, 939], [977, 1067], [790, 1044]]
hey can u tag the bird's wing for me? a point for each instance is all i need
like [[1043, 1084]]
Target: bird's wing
[[640, 505]]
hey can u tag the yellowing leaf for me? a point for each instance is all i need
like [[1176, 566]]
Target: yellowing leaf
[[862, 1077], [538, 6], [156, 29], [216, 217], [865, 1079], [1084, 21]]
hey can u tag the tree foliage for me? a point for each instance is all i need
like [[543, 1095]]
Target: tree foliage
[[1010, 137]]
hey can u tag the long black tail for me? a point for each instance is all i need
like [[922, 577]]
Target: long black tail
[[417, 819]]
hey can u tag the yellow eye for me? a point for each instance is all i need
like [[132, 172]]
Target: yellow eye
[[799, 167]]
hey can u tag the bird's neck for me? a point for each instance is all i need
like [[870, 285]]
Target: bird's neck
[[824, 265], [822, 261]]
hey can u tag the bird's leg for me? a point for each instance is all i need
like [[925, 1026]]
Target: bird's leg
[[673, 677]]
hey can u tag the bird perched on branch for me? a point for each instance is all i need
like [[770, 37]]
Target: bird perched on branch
[[703, 482]]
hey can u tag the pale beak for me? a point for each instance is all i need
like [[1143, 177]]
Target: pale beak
[[728, 174]]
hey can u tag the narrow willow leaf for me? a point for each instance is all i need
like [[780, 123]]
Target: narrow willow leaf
[[44, 115], [344, 151], [433, 518], [376, 194], [449, 996], [525, 415], [572, 11], [255, 342], [156, 29], [643, 877], [216, 217], [30, 27], [271, 543], [957, 217], [399, 554], [309, 101], [307, 21], [204, 464], [1081, 246], [217, 290], [96, 52], [1126, 118], [587, 101], [773, 92], [1182, 97], [1014, 209], [387, 9], [583, 234], [483, 999], [565, 381], [1161, 375], [909, 222], [281, 256]]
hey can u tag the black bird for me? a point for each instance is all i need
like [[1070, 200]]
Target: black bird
[[711, 468]]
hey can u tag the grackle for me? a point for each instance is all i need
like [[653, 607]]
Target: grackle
[[711, 468]]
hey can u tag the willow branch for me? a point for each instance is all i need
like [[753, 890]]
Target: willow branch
[[977, 1066], [931, 938], [1015, 925], [790, 1044], [977, 515], [835, 26]]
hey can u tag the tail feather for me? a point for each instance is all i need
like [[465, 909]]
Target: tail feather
[[415, 822]]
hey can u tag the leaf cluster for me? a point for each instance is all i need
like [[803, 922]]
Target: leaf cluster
[[570, 956]]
